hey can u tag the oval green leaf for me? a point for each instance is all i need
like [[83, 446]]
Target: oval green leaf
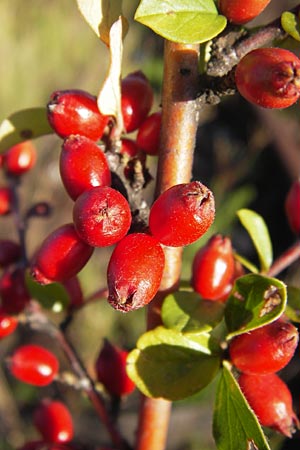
[[188, 313], [169, 365], [258, 231], [235, 426], [51, 296], [184, 21], [255, 301], [292, 309], [22, 125], [291, 24]]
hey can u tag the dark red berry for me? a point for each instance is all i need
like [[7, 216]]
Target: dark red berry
[[13, 290], [73, 288], [292, 206], [213, 268], [54, 421], [129, 147], [8, 323], [242, 12], [111, 370], [136, 100], [149, 134], [34, 365], [5, 200], [269, 77], [266, 349], [182, 214], [10, 252], [101, 216], [61, 256], [271, 401], [82, 166], [20, 158], [134, 271], [75, 111]]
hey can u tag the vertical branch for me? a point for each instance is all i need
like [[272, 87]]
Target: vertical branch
[[179, 125]]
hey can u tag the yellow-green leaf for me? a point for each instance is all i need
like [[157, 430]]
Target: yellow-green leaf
[[291, 24]]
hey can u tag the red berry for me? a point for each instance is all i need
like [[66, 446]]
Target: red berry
[[20, 158], [10, 252], [242, 12], [269, 77], [292, 206], [61, 256], [73, 288], [13, 290], [271, 401], [34, 365], [213, 268], [83, 166], [134, 271], [5, 200], [149, 134], [54, 421], [129, 147], [8, 323], [182, 214], [101, 216], [136, 100], [264, 350], [75, 111], [111, 370]]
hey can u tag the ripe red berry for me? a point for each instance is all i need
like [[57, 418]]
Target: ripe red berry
[[292, 206], [134, 271], [242, 12], [13, 290], [129, 147], [149, 134], [271, 401], [61, 256], [213, 268], [33, 364], [82, 166], [264, 350], [75, 111], [20, 158], [269, 77], [182, 214], [101, 216], [5, 200], [8, 323], [136, 100], [10, 252], [54, 421], [73, 288], [111, 370]]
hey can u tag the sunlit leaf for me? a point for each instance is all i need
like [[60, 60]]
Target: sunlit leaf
[[23, 125], [258, 231], [185, 21], [51, 296], [255, 300], [235, 426], [291, 24], [292, 309], [170, 365]]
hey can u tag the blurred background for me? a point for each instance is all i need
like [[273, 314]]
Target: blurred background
[[246, 155]]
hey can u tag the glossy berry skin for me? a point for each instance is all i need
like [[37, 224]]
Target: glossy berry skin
[[20, 158], [111, 370], [292, 206], [61, 256], [101, 216], [10, 252], [33, 364], [242, 12], [182, 214], [54, 421], [5, 200], [82, 166], [271, 401], [213, 268], [75, 111], [13, 290], [148, 135], [136, 100], [264, 350], [269, 77], [8, 323], [134, 272]]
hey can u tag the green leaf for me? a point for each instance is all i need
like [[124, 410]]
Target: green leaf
[[255, 300], [235, 426], [185, 21], [292, 309], [23, 125], [258, 231], [291, 24], [51, 296], [170, 365], [188, 313]]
